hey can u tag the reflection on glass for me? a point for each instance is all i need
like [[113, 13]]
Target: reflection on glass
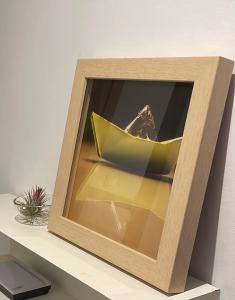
[[130, 145]]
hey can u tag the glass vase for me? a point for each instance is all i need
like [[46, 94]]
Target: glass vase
[[35, 215]]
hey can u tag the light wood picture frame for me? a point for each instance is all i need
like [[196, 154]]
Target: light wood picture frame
[[210, 77]]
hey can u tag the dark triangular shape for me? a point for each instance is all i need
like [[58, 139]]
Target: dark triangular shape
[[143, 125]]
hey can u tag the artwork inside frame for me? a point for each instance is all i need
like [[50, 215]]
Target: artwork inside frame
[[127, 158], [125, 182]]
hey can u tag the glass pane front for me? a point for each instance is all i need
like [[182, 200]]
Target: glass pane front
[[130, 136]]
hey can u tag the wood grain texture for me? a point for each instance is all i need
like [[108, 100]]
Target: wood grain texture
[[211, 77]]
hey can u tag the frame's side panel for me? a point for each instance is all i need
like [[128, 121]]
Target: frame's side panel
[[201, 174], [84, 104], [67, 151]]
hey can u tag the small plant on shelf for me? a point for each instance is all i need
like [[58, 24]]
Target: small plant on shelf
[[33, 206]]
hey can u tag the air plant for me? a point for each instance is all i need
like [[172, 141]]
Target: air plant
[[32, 205], [36, 196]]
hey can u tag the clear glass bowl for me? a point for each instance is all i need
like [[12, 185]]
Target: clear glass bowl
[[31, 214]]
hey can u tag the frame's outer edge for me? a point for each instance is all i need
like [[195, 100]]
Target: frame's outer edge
[[70, 134], [208, 143]]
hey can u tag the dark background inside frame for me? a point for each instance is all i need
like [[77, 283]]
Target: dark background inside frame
[[119, 101]]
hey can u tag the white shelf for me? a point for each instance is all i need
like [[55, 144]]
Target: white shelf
[[89, 270]]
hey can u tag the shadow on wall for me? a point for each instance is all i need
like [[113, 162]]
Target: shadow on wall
[[202, 262]]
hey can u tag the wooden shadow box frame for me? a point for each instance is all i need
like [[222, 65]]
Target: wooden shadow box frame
[[211, 78]]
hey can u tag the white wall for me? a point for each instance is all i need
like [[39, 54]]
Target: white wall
[[40, 43]]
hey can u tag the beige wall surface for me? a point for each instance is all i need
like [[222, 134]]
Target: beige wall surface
[[40, 41]]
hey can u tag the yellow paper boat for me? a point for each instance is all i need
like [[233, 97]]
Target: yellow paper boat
[[127, 151]]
